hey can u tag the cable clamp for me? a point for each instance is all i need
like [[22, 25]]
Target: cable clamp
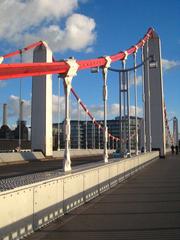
[[73, 67], [108, 61], [72, 71], [126, 55], [136, 48], [1, 59], [143, 42], [20, 51], [148, 35], [105, 68]]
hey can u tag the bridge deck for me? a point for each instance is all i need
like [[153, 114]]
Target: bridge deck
[[146, 206], [35, 166]]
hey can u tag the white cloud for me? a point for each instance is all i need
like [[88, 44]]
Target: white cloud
[[55, 107], [169, 64], [18, 16], [131, 79], [89, 50], [113, 110], [139, 111], [25, 21], [77, 35], [96, 110], [13, 108], [138, 80]]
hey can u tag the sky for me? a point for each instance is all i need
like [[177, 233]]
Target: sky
[[88, 29]]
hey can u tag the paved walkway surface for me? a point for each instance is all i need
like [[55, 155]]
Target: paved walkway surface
[[146, 206]]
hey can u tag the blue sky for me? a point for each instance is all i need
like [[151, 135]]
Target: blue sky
[[104, 27]]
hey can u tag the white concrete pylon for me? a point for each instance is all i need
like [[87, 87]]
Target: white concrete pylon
[[73, 67], [154, 96], [41, 120], [147, 97]]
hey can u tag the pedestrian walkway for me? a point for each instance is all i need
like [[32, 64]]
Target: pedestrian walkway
[[146, 206]]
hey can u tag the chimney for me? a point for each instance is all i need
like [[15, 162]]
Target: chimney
[[4, 114], [21, 111]]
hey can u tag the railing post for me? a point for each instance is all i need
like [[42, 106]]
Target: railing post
[[73, 67], [105, 96]]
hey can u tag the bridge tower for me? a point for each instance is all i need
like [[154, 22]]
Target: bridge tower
[[41, 116], [154, 96]]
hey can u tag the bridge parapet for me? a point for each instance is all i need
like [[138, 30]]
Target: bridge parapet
[[32, 206]]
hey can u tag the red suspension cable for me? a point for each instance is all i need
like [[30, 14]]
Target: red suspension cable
[[8, 71], [90, 115], [27, 48], [93, 119]]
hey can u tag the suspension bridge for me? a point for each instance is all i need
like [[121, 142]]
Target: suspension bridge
[[46, 196]]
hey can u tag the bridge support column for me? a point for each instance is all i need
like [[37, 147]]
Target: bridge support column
[[41, 117], [73, 67], [105, 96], [154, 96]]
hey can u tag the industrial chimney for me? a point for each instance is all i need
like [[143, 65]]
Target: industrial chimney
[[4, 114], [21, 111]]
